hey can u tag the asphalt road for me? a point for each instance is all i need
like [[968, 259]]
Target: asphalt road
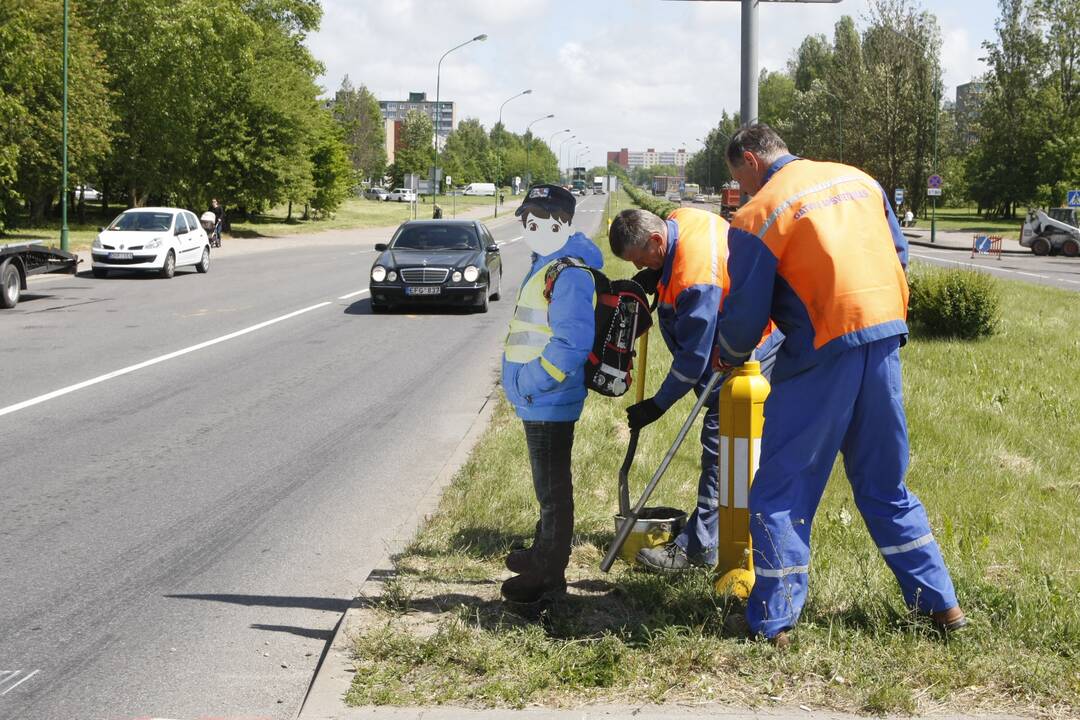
[[197, 474]]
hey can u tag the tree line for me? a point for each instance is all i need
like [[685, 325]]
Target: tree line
[[874, 99], [170, 102]]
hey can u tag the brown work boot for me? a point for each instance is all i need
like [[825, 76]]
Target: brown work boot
[[949, 621]]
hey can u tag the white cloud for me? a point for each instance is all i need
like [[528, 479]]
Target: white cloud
[[619, 73]]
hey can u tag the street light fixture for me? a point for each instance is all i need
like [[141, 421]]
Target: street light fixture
[[528, 149], [438, 109], [498, 164], [575, 144]]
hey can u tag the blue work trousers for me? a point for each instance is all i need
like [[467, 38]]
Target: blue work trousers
[[850, 403]]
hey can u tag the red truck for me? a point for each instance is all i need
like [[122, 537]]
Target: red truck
[[730, 199]]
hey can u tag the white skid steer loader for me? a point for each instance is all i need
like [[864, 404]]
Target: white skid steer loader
[[1056, 231]]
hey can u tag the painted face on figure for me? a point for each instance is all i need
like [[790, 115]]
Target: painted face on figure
[[545, 235]]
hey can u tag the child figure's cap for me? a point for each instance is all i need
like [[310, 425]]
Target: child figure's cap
[[551, 198]]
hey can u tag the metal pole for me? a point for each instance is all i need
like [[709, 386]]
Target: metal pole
[[933, 210], [748, 105], [64, 122], [438, 111], [528, 148]]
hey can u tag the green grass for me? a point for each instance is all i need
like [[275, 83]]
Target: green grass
[[995, 451], [354, 213], [968, 220], [357, 213]]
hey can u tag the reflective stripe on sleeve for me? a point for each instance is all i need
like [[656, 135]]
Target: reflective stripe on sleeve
[[782, 572], [707, 502], [913, 545], [553, 371], [730, 350], [679, 376]]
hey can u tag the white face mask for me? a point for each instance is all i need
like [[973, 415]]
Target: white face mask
[[544, 236]]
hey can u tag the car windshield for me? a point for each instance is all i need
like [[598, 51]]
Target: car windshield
[[437, 237], [142, 221]]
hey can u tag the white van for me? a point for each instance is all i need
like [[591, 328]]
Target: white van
[[480, 189]]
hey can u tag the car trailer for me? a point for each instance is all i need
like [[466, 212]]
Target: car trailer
[[19, 261]]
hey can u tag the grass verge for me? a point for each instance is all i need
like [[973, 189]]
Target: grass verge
[[994, 457]]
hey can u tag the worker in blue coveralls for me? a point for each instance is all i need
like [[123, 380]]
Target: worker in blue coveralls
[[688, 254], [543, 375], [819, 251]]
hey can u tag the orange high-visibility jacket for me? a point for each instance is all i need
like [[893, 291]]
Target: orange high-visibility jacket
[[818, 249]]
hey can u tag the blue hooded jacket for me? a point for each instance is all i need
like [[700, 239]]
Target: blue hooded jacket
[[533, 392]]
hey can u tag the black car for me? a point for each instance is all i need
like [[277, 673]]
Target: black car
[[445, 262]]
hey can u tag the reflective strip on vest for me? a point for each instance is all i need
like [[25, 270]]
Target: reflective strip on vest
[[529, 330]]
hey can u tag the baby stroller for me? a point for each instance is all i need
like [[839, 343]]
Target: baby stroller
[[212, 226]]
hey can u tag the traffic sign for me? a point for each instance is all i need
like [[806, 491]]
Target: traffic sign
[[1074, 198], [933, 192], [898, 194], [934, 181]]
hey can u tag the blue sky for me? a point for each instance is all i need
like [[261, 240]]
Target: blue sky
[[618, 73]]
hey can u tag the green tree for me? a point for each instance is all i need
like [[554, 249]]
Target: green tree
[[813, 61], [332, 171], [415, 152], [357, 111], [468, 157], [31, 89]]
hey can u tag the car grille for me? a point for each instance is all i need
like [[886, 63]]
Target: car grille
[[424, 275]]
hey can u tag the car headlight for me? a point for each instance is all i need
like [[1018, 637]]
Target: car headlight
[[97, 243], [155, 243], [392, 277], [456, 277], [471, 273], [378, 273]]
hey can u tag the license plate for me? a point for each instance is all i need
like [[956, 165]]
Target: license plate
[[429, 290], [121, 256]]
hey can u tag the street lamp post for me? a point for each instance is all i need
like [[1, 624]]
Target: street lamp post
[[64, 132], [528, 149], [576, 143], [438, 110], [558, 156], [498, 164], [708, 161]]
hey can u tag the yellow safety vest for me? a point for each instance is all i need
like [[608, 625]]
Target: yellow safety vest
[[529, 330]]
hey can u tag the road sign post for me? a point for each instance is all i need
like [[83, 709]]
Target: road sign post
[[898, 196], [933, 189]]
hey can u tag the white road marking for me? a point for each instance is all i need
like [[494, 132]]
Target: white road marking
[[511, 241], [353, 294], [20, 682], [978, 267], [154, 361]]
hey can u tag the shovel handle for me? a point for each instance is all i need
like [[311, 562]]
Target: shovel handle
[[632, 517], [624, 473]]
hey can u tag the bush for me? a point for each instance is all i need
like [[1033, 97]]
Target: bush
[[645, 201], [953, 303]]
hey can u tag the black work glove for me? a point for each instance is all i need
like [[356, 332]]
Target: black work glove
[[647, 279], [643, 413]]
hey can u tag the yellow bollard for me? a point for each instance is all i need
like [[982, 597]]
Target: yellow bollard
[[742, 417]]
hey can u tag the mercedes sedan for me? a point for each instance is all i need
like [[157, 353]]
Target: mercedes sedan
[[445, 262]]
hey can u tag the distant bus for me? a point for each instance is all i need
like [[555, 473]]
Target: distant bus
[[690, 191]]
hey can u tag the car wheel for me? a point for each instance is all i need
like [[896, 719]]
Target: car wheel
[[498, 287], [168, 269], [1070, 248], [204, 263], [1041, 246], [101, 272], [482, 301], [10, 285]]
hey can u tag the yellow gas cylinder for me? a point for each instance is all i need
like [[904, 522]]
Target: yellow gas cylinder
[[742, 417]]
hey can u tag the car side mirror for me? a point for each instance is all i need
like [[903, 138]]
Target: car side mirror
[[380, 247], [492, 248]]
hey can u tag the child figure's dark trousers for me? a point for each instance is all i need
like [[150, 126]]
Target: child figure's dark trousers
[[550, 445]]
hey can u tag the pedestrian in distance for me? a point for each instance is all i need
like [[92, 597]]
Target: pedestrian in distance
[[543, 376], [819, 251], [436, 212], [682, 260]]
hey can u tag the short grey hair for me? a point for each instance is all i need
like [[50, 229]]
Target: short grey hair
[[632, 228], [759, 139]]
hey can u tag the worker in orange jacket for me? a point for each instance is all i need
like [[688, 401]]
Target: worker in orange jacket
[[819, 251]]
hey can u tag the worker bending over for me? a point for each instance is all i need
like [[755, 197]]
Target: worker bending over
[[819, 250], [689, 253]]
